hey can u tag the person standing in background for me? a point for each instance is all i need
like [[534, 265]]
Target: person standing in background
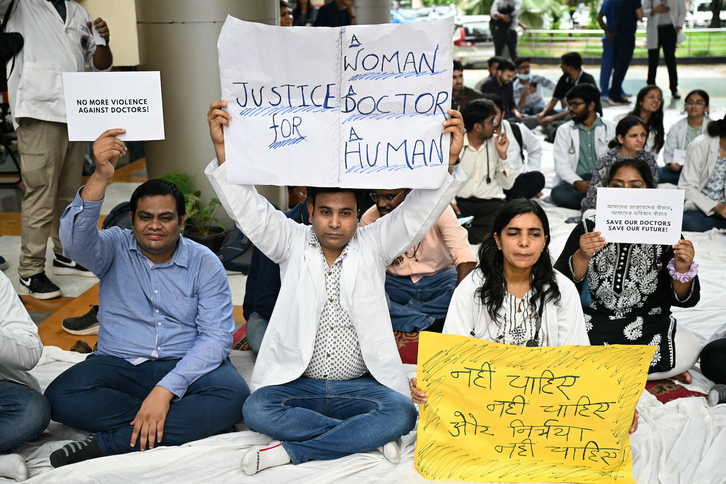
[[504, 21], [665, 25]]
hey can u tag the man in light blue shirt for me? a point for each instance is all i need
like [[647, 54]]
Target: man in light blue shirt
[[161, 373]]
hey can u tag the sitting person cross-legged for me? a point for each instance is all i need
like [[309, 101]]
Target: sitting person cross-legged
[[24, 412], [578, 145], [161, 374], [420, 282], [630, 136], [514, 296], [328, 380], [703, 177], [633, 286]]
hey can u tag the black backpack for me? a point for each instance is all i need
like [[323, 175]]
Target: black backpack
[[517, 132], [10, 44], [118, 217], [235, 253]]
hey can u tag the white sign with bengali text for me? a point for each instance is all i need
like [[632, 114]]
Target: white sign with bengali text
[[98, 101], [356, 106], [639, 216]]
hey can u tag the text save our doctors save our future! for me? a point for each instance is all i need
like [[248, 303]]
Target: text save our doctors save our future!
[[379, 94], [103, 106]]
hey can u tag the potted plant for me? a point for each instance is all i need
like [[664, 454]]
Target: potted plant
[[200, 224]]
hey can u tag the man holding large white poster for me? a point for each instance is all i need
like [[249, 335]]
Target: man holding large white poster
[[328, 380]]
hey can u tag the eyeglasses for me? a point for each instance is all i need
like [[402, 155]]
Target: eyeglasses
[[691, 102], [386, 198], [575, 104], [493, 122]]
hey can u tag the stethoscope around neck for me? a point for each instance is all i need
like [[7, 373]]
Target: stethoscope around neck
[[572, 147], [486, 148]]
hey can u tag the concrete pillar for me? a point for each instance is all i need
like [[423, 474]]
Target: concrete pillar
[[369, 12], [179, 38]]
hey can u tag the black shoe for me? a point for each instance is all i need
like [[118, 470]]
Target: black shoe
[[676, 95], [618, 100], [76, 452], [3, 263], [39, 287], [83, 325], [63, 266]]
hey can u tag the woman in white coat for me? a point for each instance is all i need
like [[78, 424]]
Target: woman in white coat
[[665, 25], [682, 134]]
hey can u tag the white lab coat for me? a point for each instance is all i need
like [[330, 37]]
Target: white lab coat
[[20, 345], [567, 149], [676, 138], [701, 159], [532, 146], [35, 87], [290, 337], [677, 13], [562, 323]]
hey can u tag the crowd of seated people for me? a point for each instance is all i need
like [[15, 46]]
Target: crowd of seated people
[[328, 379]]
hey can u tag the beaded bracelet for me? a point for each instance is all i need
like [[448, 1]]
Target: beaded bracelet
[[682, 277]]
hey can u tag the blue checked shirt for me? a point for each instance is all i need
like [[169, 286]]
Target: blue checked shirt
[[181, 309]]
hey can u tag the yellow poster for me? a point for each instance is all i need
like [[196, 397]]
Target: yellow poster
[[514, 414]]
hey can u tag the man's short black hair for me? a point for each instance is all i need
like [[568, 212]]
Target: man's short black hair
[[506, 65], [358, 194], [585, 91], [477, 111], [572, 59], [458, 66], [521, 60], [494, 60], [495, 98], [157, 186]]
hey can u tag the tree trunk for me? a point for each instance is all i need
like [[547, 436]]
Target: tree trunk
[[716, 6]]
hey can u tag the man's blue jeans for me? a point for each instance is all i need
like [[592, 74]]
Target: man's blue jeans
[[256, 328], [414, 307], [103, 394], [606, 67], [624, 45], [697, 221], [323, 419], [24, 414]]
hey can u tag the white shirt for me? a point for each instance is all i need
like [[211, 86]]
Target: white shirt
[[20, 346], [51, 47], [532, 147], [289, 341], [478, 164], [562, 323]]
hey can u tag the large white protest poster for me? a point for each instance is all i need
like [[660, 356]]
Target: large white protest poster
[[639, 216], [98, 101], [356, 106]]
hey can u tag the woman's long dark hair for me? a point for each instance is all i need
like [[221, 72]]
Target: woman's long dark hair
[[491, 262], [655, 123], [717, 128], [641, 166], [623, 127]]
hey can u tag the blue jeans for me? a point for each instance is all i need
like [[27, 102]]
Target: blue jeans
[[566, 195], [103, 394], [666, 175], [697, 221], [414, 307], [256, 327], [606, 67], [623, 47], [534, 110], [323, 419], [24, 414]]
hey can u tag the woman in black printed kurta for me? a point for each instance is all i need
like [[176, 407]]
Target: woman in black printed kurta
[[632, 288]]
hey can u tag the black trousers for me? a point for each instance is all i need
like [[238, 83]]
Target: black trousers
[[666, 40], [483, 211], [527, 185], [713, 361], [502, 36]]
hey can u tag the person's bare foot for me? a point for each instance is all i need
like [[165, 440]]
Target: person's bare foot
[[684, 377]]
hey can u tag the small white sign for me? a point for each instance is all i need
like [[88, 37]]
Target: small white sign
[[97, 37], [679, 156], [639, 216], [97, 101]]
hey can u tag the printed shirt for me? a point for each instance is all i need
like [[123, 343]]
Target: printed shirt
[[537, 97], [714, 188], [337, 354], [445, 246], [588, 154], [181, 309], [692, 134], [518, 321]]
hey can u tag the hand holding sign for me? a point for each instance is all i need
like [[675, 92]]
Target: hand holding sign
[[216, 117], [107, 149]]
